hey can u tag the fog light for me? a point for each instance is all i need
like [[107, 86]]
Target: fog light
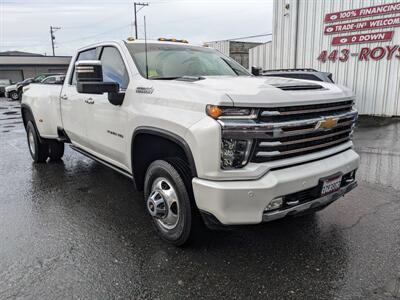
[[274, 204], [234, 153]]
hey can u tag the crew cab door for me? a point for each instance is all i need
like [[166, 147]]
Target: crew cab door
[[74, 110], [106, 123]]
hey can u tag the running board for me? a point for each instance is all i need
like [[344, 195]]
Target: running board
[[101, 161]]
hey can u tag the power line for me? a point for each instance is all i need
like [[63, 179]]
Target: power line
[[244, 37], [95, 35]]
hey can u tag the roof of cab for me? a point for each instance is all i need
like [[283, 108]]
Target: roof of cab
[[137, 41]]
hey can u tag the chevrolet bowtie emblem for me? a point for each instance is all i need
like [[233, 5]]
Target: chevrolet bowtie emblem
[[327, 123]]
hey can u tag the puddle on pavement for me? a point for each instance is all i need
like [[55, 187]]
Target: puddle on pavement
[[391, 289], [10, 112], [380, 167], [11, 118]]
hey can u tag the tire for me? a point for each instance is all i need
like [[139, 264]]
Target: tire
[[39, 151], [56, 150], [14, 95], [170, 202]]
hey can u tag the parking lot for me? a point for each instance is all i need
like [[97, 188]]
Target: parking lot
[[76, 229]]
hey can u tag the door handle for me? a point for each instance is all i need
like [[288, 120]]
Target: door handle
[[64, 97], [89, 101]]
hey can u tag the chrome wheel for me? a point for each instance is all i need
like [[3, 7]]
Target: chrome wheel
[[31, 142], [163, 203]]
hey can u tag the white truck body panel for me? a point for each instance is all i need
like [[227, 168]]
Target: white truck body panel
[[44, 100], [178, 107]]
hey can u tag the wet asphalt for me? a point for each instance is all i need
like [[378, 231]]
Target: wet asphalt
[[76, 229]]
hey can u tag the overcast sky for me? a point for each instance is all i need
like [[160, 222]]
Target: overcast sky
[[24, 24]]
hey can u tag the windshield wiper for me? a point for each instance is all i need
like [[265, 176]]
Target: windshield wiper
[[180, 78], [163, 78]]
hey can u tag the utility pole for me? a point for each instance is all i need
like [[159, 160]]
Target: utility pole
[[52, 31], [135, 5]]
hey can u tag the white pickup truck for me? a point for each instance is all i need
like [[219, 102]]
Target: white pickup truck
[[207, 142]]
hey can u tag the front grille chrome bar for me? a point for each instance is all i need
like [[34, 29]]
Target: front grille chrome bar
[[268, 113], [299, 141], [304, 149], [256, 129]]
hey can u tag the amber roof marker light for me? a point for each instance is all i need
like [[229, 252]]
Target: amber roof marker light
[[172, 40]]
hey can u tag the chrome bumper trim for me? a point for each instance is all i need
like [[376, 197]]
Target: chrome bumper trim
[[323, 201]]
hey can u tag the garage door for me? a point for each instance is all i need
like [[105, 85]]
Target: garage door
[[13, 75]]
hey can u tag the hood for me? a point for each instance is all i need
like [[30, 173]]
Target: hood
[[11, 87], [273, 91]]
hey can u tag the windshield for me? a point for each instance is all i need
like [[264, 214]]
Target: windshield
[[39, 78], [166, 61]]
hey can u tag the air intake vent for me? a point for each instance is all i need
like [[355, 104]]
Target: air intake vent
[[299, 87]]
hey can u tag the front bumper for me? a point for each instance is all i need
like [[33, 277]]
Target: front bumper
[[244, 202], [316, 204]]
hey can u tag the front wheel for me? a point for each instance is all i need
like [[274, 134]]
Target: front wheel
[[169, 200], [14, 95], [39, 151]]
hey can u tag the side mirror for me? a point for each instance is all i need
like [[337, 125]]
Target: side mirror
[[89, 71], [89, 80], [256, 71]]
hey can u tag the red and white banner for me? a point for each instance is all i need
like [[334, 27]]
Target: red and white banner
[[390, 8], [363, 25], [362, 38]]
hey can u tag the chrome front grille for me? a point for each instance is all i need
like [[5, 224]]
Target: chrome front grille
[[305, 136], [285, 132], [304, 111]]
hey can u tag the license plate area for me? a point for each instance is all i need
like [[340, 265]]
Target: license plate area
[[330, 184]]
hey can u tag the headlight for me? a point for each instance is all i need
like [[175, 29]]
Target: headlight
[[235, 153], [226, 112]]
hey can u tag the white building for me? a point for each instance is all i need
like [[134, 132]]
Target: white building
[[237, 50], [357, 41]]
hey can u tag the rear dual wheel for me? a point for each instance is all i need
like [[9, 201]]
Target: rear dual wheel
[[40, 150]]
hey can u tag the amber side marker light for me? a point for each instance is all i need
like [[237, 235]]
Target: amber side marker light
[[214, 111]]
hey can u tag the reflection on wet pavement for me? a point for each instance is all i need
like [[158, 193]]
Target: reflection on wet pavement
[[379, 148], [10, 115]]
